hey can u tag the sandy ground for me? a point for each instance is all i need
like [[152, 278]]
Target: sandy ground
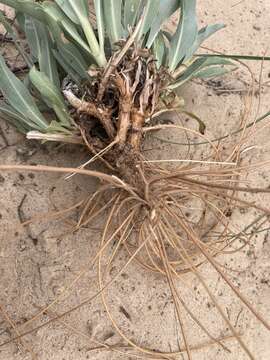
[[38, 262]]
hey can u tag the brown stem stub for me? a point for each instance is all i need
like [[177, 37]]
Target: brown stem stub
[[138, 120], [125, 106]]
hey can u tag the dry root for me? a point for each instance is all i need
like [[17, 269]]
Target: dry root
[[173, 224]]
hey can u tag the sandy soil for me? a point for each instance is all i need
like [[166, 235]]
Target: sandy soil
[[37, 262]]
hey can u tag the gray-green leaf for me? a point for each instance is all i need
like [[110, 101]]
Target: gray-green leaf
[[185, 34], [131, 9], [74, 9], [56, 17], [150, 13], [113, 17], [159, 50], [78, 12], [41, 48], [166, 9], [19, 97], [196, 67], [15, 118], [212, 71], [100, 23], [51, 95], [76, 61], [203, 34], [28, 7]]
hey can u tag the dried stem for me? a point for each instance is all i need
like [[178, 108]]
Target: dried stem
[[102, 114]]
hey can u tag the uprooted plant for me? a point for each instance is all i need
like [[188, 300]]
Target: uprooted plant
[[101, 85]]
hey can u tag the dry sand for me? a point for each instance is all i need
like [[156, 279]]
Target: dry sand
[[38, 262]]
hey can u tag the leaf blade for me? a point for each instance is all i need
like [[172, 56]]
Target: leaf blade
[[41, 48], [15, 118], [72, 10], [238, 57], [165, 10], [28, 7], [131, 10], [78, 12], [51, 95], [55, 17], [203, 35], [196, 67], [212, 72], [19, 97], [159, 50], [100, 24], [185, 34], [112, 15], [150, 12]]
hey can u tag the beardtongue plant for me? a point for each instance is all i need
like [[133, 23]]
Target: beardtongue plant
[[125, 68], [100, 84]]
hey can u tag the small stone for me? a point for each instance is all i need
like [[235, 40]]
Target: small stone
[[256, 27], [22, 245]]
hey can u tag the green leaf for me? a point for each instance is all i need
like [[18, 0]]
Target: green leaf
[[15, 118], [51, 15], [100, 24], [55, 16], [166, 9], [19, 97], [131, 10], [28, 7], [64, 63], [159, 50], [113, 17], [203, 34], [41, 48], [213, 71], [185, 34], [20, 18], [196, 67], [206, 32], [74, 58], [55, 127], [69, 56], [149, 14], [78, 12], [51, 95], [74, 9], [238, 57]]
